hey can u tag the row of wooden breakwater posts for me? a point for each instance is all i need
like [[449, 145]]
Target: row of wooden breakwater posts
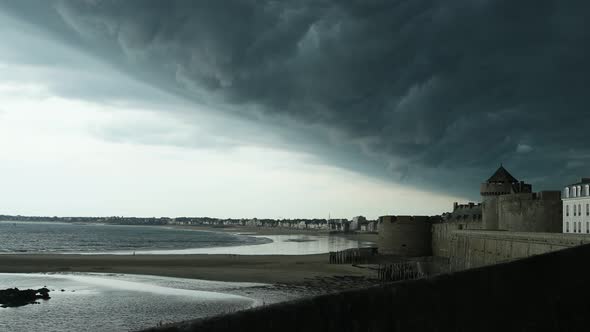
[[385, 271], [400, 271], [353, 256]]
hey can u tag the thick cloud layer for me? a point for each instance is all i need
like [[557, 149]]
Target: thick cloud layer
[[434, 93]]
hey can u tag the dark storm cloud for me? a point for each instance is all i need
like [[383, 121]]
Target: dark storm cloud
[[434, 93]]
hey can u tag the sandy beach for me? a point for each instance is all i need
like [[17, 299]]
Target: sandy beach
[[241, 268], [290, 270]]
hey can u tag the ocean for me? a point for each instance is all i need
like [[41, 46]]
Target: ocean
[[65, 238], [53, 237], [120, 302]]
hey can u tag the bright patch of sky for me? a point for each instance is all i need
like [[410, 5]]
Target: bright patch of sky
[[78, 138]]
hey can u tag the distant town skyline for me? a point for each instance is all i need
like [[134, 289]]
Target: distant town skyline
[[285, 109]]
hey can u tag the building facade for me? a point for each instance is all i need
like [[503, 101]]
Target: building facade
[[576, 207], [357, 223]]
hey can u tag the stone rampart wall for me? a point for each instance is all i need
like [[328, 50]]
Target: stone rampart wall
[[441, 236], [528, 212], [472, 248]]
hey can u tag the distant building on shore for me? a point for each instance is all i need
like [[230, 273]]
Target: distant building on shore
[[357, 222], [576, 207]]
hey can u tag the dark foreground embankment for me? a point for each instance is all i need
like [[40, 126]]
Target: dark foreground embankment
[[550, 292]]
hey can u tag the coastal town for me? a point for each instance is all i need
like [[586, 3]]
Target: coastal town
[[511, 221], [358, 223]]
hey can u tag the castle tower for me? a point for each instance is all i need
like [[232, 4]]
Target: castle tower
[[500, 183]]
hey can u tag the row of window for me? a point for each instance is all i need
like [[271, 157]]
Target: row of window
[[577, 210], [576, 191], [577, 227]]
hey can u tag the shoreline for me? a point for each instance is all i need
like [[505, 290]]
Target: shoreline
[[280, 278], [274, 269], [261, 231], [265, 235], [269, 269]]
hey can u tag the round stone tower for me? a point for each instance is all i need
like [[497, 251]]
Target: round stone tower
[[408, 236]]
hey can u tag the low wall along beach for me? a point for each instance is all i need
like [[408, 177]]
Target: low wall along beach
[[544, 292]]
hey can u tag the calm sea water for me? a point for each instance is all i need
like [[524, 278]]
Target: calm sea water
[[50, 237], [109, 302]]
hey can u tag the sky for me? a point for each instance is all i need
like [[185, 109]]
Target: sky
[[286, 109]]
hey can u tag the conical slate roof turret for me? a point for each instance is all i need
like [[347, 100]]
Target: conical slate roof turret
[[502, 176]]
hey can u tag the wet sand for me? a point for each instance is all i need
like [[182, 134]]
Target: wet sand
[[241, 268]]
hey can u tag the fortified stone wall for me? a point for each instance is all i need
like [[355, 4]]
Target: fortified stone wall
[[531, 212], [490, 212], [471, 248], [405, 236], [540, 293], [442, 232]]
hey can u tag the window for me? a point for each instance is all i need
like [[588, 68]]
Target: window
[[575, 231], [567, 210], [579, 227], [567, 227], [587, 227], [579, 209], [587, 210], [574, 209]]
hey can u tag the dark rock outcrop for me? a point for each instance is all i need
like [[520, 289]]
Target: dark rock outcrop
[[14, 297]]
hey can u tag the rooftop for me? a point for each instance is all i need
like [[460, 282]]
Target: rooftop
[[502, 176], [582, 181]]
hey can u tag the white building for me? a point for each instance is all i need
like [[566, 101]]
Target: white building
[[357, 222], [576, 207]]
